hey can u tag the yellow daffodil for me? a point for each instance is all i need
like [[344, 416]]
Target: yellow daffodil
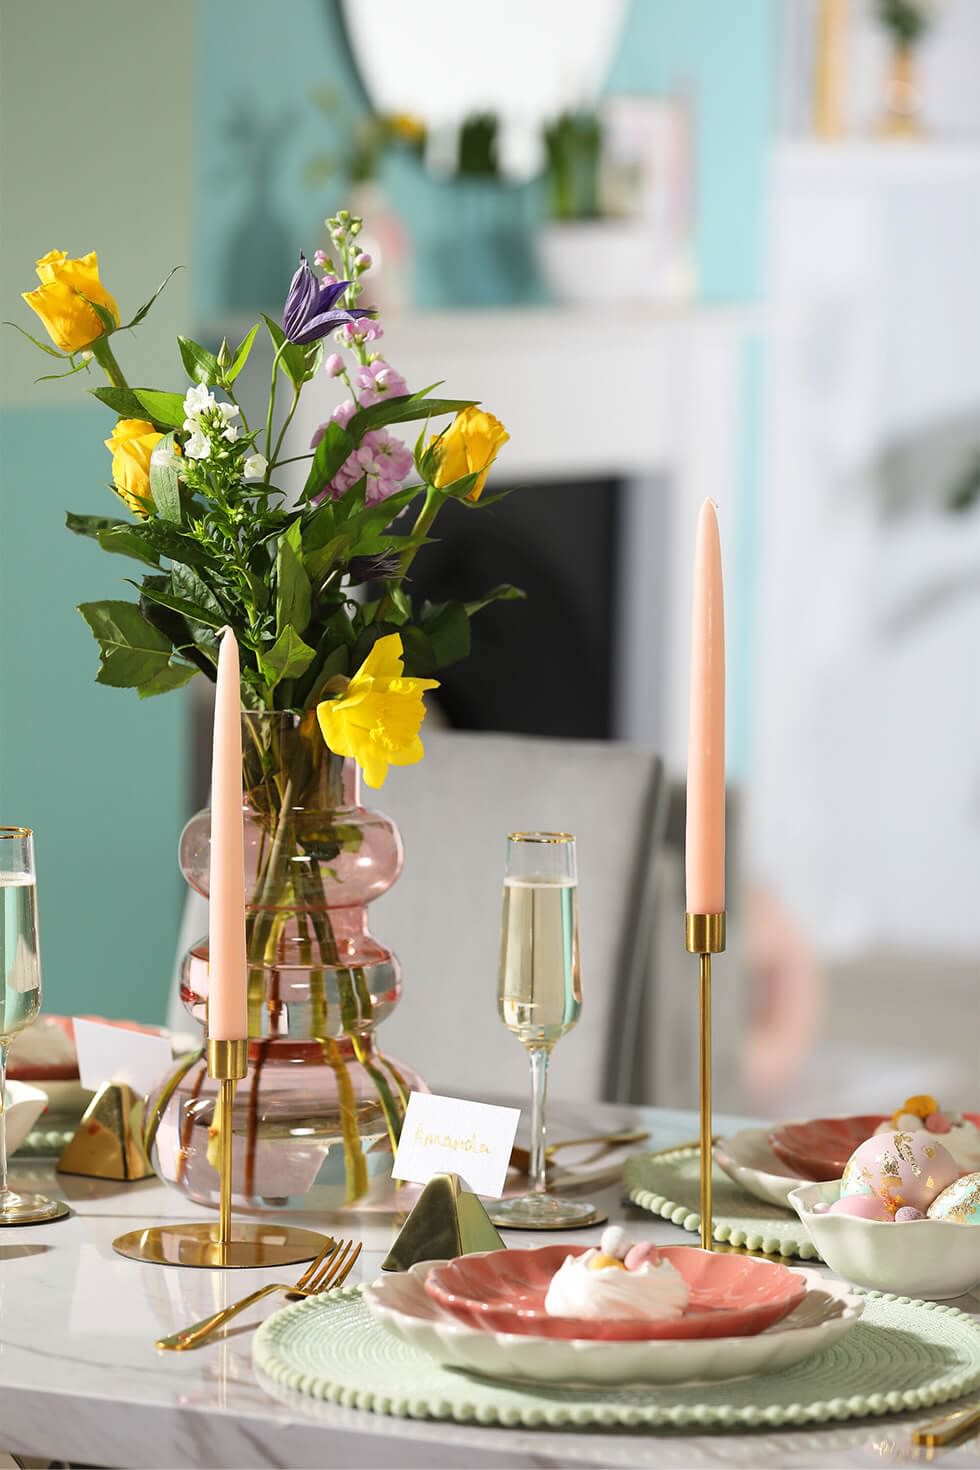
[[376, 720], [62, 299], [132, 443], [468, 447]]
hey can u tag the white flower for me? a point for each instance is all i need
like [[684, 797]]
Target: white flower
[[197, 400], [228, 411], [198, 445], [256, 466], [231, 433]]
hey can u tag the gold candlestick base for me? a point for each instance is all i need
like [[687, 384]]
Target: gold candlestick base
[[223, 1243], [200, 1244], [704, 935]]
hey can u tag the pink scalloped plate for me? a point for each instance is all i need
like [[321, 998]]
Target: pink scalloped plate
[[504, 1291], [819, 1148]]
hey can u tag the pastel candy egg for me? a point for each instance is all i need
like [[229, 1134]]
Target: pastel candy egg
[[959, 1201], [908, 1212], [900, 1168], [639, 1255], [864, 1206], [614, 1242], [906, 1122], [938, 1123]]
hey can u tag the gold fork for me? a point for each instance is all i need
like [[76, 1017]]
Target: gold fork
[[331, 1268]]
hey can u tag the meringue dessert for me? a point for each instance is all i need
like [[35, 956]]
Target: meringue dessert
[[617, 1280]]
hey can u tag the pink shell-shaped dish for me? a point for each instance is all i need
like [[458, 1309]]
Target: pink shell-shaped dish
[[504, 1291], [820, 1148]]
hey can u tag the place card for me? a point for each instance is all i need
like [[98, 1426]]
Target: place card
[[452, 1135], [119, 1054]]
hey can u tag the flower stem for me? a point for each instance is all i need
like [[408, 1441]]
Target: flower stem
[[423, 523], [106, 359], [274, 461], [272, 399]]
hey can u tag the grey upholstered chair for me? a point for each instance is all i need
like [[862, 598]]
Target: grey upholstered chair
[[442, 917]]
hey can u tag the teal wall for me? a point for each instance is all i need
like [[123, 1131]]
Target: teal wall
[[103, 129], [253, 208]]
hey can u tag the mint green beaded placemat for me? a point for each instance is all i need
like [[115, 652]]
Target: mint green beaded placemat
[[902, 1355], [668, 1185]]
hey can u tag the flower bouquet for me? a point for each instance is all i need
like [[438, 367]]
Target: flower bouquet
[[335, 652]]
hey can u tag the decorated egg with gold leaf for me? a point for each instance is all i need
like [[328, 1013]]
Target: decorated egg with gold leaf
[[900, 1168], [959, 1201]]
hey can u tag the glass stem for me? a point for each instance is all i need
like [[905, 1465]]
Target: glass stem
[[3, 1117], [538, 1056]]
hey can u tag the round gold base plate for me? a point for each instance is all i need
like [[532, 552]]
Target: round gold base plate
[[598, 1217], [251, 1244], [45, 1216]]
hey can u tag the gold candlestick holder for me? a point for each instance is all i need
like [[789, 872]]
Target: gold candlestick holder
[[225, 1243], [704, 935]]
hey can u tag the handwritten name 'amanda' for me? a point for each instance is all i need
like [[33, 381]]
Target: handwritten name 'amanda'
[[468, 1145]]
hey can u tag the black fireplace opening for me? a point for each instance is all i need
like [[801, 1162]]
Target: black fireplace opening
[[543, 666]]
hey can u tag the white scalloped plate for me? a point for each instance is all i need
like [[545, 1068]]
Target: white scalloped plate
[[401, 1303], [748, 1159]]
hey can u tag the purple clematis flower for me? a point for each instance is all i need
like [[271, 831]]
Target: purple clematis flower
[[308, 314]]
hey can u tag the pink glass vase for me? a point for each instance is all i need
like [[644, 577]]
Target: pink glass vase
[[321, 1109]]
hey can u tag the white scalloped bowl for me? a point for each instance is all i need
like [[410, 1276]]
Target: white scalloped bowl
[[400, 1302], [931, 1258], [748, 1160], [25, 1104]]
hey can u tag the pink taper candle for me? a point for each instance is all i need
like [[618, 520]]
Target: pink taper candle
[[227, 1005], [705, 855]]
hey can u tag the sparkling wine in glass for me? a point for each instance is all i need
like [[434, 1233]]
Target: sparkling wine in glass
[[539, 996], [20, 997]]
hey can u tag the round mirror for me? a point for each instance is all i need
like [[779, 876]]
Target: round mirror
[[524, 64]]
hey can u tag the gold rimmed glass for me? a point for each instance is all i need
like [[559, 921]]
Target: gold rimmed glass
[[20, 997], [539, 997]]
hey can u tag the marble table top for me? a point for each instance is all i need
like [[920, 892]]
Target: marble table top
[[80, 1378]]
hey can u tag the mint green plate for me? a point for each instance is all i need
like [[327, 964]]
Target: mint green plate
[[668, 1185], [902, 1355]]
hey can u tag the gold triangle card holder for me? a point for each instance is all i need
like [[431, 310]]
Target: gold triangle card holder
[[108, 1142], [223, 1242], [446, 1221]]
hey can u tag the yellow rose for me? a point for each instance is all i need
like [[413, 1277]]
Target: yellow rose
[[468, 447], [377, 718], [62, 299], [132, 443]]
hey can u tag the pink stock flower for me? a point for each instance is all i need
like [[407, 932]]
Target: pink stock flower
[[381, 461], [334, 365], [360, 332], [341, 415], [377, 381]]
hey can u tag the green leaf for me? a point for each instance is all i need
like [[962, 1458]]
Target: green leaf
[[78, 367], [448, 631], [126, 540], [504, 593], [288, 657], [171, 676], [241, 354], [297, 362], [185, 583], [164, 480], [165, 409], [336, 662], [122, 401], [293, 593], [105, 316], [403, 410], [335, 446], [200, 364], [147, 304], [132, 651], [199, 647], [182, 605], [93, 525]]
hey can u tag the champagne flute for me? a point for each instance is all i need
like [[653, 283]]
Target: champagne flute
[[20, 997], [539, 997]]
